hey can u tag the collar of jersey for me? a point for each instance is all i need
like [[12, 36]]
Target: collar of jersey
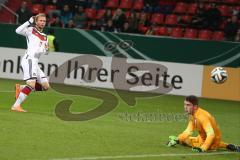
[[196, 112], [37, 29]]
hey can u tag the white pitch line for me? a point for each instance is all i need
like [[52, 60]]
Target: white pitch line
[[145, 156], [6, 91]]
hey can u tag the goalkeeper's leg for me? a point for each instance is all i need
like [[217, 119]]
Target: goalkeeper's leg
[[232, 147], [193, 141], [228, 146]]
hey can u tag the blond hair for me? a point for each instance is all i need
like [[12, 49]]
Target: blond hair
[[40, 15]]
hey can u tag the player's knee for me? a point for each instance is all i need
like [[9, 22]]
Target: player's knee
[[31, 83], [45, 87]]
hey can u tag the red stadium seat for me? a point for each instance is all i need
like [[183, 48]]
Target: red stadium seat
[[127, 14], [157, 18], [190, 33], [112, 4], [143, 29], [100, 13], [126, 4], [49, 8], [218, 35], [167, 2], [223, 24], [113, 12], [205, 34], [225, 10], [181, 7], [171, 19], [148, 15], [90, 13], [207, 6], [186, 18], [237, 8], [231, 1], [177, 32], [138, 4], [192, 8], [161, 31], [37, 8]]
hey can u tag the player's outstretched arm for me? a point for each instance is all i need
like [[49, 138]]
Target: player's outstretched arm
[[210, 134], [187, 132], [23, 29]]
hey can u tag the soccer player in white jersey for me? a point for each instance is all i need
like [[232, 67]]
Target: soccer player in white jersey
[[37, 44]]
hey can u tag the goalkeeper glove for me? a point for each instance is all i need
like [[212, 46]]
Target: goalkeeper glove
[[197, 149], [173, 140]]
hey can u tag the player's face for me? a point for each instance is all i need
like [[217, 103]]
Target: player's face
[[188, 107], [41, 22]]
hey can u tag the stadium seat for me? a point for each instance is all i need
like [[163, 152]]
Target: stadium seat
[[90, 13], [192, 8], [207, 6], [112, 4], [218, 35], [125, 4], [171, 19], [49, 8], [181, 7], [148, 15], [167, 2], [186, 18], [29, 5], [177, 32], [113, 12], [37, 8], [161, 31], [100, 13], [231, 1], [225, 10], [190, 33], [127, 14], [13, 4], [205, 34], [143, 29], [237, 8], [138, 4], [157, 18], [223, 24]]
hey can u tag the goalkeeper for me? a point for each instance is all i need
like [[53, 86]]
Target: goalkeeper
[[209, 137]]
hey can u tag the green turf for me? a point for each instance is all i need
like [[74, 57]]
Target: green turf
[[40, 135]]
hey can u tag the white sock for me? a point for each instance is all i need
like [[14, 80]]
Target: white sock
[[20, 99]]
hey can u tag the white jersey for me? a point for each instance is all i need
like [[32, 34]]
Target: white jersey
[[37, 42], [36, 46]]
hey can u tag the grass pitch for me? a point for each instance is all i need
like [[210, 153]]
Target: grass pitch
[[120, 134]]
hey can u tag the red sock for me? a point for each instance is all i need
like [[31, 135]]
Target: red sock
[[38, 87], [26, 90]]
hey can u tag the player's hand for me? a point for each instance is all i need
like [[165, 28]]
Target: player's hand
[[197, 149], [173, 140], [31, 20]]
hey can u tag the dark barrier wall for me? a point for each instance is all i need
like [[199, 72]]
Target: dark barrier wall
[[142, 47]]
